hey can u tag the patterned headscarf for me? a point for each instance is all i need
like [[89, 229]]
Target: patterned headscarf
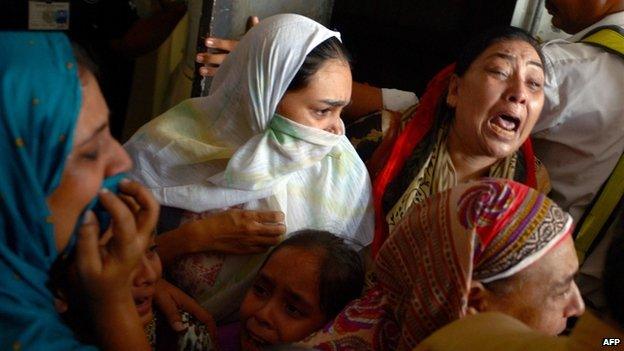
[[39, 104], [486, 230]]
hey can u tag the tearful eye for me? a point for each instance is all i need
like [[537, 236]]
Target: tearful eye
[[534, 85], [260, 290], [499, 73], [91, 155], [292, 310]]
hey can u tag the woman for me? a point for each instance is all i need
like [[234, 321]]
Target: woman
[[491, 245], [473, 121], [437, 150], [268, 137], [57, 150]]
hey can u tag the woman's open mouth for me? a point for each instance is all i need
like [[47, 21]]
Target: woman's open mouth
[[505, 125]]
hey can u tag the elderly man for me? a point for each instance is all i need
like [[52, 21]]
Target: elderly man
[[495, 331]]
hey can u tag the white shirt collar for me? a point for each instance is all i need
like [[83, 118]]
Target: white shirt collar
[[612, 19]]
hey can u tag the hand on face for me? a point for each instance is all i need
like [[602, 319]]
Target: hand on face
[[497, 101], [105, 265], [95, 156], [104, 262]]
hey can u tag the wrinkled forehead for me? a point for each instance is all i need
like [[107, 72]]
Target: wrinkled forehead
[[514, 50], [558, 264]]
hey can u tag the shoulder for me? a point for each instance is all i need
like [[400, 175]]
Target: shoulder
[[576, 74], [488, 331]]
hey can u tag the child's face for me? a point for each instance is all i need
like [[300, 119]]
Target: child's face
[[320, 104], [144, 280], [283, 304]]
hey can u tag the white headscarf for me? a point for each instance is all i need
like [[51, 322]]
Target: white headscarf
[[230, 148]]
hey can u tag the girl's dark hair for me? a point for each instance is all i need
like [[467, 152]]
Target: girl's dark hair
[[341, 275], [480, 43], [331, 48]]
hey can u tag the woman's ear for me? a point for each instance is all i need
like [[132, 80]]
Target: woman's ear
[[451, 97], [477, 298]]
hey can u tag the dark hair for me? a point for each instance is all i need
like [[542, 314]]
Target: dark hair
[[480, 43], [341, 275], [84, 60], [613, 280], [331, 48]]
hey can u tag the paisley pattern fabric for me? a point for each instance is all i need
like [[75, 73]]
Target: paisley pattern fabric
[[437, 174], [486, 230]]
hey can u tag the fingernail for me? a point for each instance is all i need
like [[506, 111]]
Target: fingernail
[[179, 326], [124, 181], [88, 217], [203, 70], [199, 58], [209, 42], [104, 191]]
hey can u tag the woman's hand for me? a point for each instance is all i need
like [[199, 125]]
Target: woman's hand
[[236, 231], [104, 265], [232, 232], [218, 49], [171, 300]]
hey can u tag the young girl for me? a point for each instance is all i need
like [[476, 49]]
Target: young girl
[[303, 284], [268, 137]]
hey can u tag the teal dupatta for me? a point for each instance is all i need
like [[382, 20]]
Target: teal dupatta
[[39, 104]]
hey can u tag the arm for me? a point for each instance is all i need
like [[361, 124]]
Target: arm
[[365, 99], [233, 231]]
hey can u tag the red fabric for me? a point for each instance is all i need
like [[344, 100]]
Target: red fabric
[[419, 125]]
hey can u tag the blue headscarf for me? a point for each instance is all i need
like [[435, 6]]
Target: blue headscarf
[[40, 97]]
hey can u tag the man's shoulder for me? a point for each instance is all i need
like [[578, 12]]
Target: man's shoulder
[[572, 48]]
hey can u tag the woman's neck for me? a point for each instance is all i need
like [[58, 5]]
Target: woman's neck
[[468, 166]]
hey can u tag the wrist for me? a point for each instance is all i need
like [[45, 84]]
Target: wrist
[[176, 242]]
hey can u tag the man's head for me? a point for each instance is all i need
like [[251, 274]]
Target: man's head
[[572, 16], [543, 295]]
